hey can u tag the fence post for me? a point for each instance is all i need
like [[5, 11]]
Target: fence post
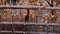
[[47, 28]]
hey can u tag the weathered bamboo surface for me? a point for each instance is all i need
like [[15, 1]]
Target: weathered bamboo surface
[[26, 7]]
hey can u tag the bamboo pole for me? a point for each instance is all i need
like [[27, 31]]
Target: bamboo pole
[[28, 7]]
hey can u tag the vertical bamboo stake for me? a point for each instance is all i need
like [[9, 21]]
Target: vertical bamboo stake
[[0, 2], [26, 2], [7, 2], [0, 15], [4, 3]]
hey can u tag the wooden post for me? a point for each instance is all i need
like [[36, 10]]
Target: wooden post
[[47, 28], [27, 16], [0, 15]]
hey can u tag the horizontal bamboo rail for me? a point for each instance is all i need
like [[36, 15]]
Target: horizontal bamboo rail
[[26, 7], [19, 23]]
